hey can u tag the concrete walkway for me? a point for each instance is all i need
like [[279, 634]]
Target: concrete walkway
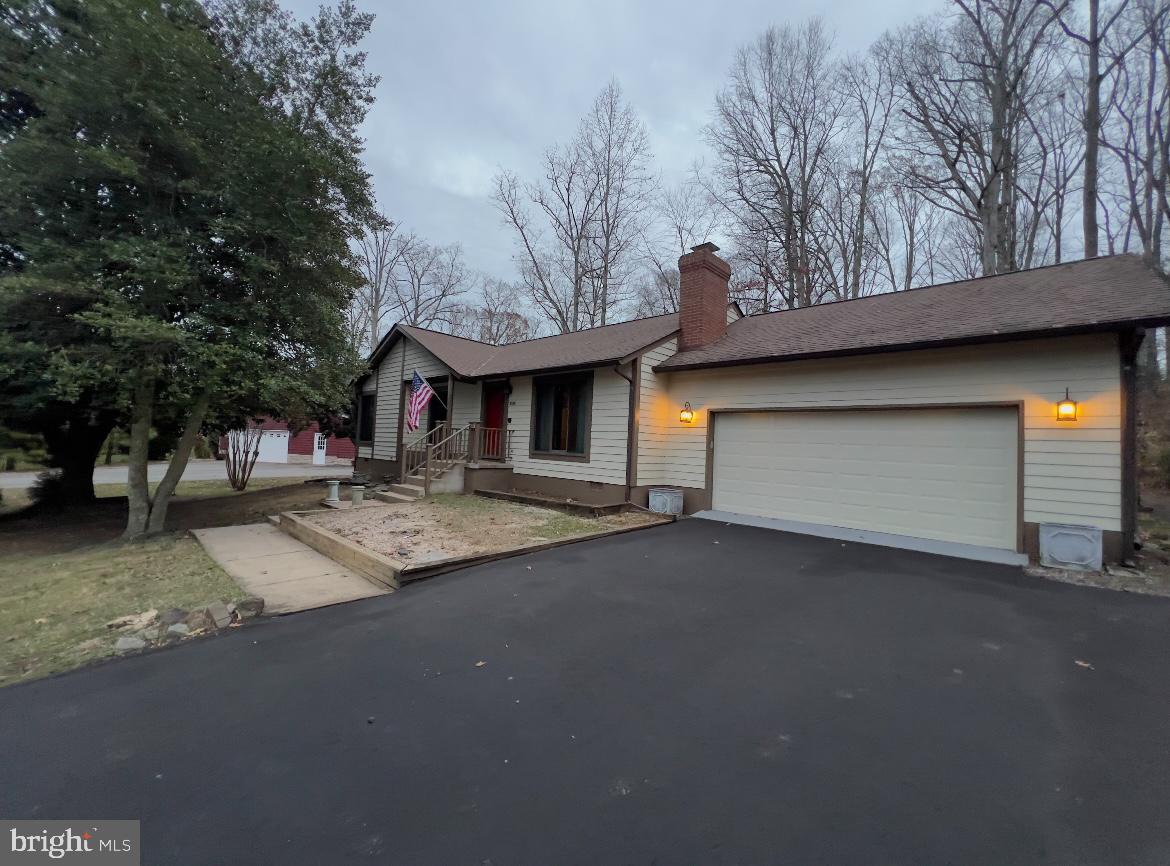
[[287, 574]]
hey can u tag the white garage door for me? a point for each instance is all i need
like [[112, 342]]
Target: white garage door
[[274, 447], [942, 474]]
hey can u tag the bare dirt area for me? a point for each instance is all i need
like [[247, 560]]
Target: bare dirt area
[[447, 526]]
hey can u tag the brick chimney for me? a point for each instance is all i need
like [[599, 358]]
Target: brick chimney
[[702, 302]]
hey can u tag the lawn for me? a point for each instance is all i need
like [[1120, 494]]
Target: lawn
[[63, 576], [451, 525], [17, 499], [54, 607]]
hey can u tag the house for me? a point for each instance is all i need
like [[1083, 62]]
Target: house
[[282, 442], [923, 416]]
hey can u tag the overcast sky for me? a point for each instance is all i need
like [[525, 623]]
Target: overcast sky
[[468, 87]]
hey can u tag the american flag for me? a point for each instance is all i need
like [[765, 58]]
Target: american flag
[[420, 394]]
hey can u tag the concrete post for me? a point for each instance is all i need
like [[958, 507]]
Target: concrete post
[[332, 496], [357, 494]]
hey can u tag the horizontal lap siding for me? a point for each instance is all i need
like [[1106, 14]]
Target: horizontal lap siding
[[1072, 471], [607, 436], [465, 404], [390, 374], [654, 417]]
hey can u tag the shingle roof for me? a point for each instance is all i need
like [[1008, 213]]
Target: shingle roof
[[1093, 295], [471, 359]]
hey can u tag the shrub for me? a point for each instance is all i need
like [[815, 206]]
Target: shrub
[[48, 491], [202, 449]]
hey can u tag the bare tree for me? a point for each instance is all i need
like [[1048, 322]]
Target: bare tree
[[682, 216], [868, 93], [969, 81], [576, 227], [380, 250], [1136, 132], [496, 318], [1092, 36], [551, 274], [773, 136], [242, 452], [613, 141], [431, 283]]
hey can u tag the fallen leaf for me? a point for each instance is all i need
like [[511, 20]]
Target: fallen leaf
[[1083, 664], [480, 664]]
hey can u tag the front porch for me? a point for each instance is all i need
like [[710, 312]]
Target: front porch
[[446, 460]]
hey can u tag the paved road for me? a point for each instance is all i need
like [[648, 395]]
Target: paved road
[[650, 698], [197, 470]]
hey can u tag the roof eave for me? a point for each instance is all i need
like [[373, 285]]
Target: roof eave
[[1096, 328], [542, 371]]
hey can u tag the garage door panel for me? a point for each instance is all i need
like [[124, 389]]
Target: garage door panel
[[944, 474]]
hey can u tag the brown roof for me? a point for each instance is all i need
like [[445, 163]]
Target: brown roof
[[1099, 294], [471, 359]]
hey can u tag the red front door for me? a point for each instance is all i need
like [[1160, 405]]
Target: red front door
[[495, 409]]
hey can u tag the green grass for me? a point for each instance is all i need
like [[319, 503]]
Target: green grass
[[54, 607], [557, 526], [564, 525]]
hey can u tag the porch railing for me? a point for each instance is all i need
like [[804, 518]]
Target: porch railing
[[490, 443], [442, 447], [414, 454]]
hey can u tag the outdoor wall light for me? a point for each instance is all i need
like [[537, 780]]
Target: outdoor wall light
[[1066, 409], [686, 414]]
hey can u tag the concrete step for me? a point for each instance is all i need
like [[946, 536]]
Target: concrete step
[[390, 496], [414, 491]]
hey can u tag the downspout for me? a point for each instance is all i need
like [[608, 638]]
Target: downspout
[[631, 428]]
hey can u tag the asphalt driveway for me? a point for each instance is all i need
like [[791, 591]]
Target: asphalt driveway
[[694, 693]]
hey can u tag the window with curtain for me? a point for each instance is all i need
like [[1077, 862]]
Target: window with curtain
[[560, 414]]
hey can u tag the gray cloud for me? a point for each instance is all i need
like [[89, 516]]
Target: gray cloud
[[468, 87]]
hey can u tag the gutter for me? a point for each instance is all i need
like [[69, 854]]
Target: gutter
[[631, 425], [983, 339]]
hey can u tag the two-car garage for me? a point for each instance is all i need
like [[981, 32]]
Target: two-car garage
[[944, 474]]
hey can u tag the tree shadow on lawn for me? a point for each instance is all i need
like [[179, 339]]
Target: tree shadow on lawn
[[37, 530]]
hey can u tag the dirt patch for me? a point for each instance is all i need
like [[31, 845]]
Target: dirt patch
[[448, 526]]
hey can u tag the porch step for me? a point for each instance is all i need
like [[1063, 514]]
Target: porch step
[[418, 480], [414, 491], [390, 496]]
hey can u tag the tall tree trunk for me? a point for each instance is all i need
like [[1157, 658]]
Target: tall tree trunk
[[137, 486], [162, 496], [74, 448], [1092, 131]]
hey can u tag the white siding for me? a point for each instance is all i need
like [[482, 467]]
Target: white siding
[[465, 405], [1072, 471], [393, 369], [654, 417], [607, 436]]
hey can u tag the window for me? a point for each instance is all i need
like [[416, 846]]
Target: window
[[561, 415], [366, 412]]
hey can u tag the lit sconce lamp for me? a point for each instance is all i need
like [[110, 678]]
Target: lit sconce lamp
[[686, 414], [1066, 409]]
